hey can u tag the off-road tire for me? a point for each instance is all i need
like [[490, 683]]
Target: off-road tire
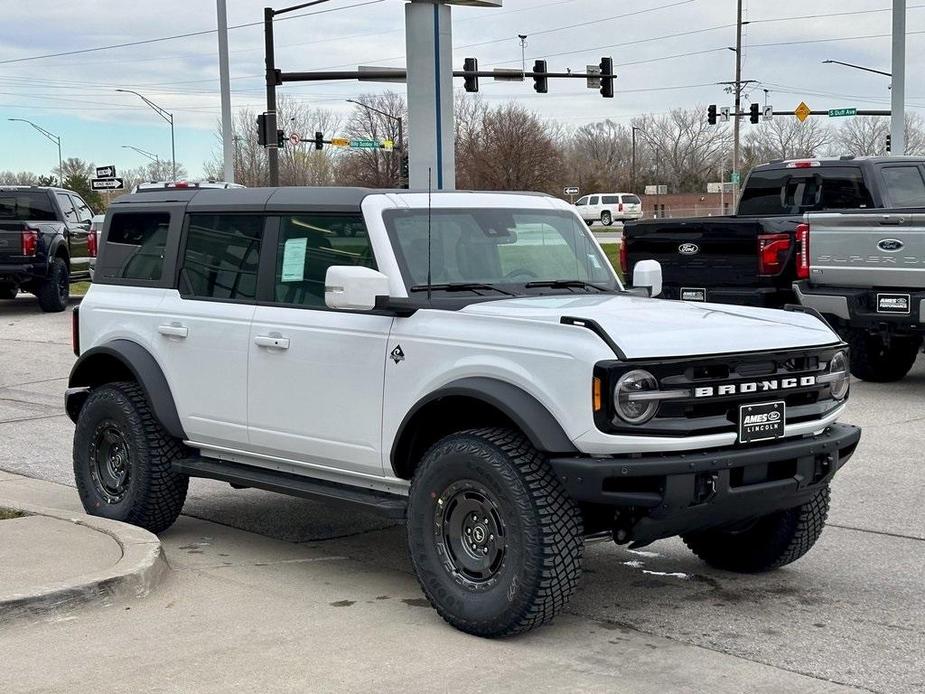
[[154, 493], [769, 543], [54, 291], [8, 292], [542, 529], [872, 360], [606, 219]]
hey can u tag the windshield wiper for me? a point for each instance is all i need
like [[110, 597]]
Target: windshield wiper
[[557, 284], [460, 287]]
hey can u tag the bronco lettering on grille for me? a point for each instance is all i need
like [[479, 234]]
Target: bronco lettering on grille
[[754, 387]]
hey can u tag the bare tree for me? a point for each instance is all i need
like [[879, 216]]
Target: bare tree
[[375, 168], [863, 136], [21, 178], [785, 138], [599, 157]]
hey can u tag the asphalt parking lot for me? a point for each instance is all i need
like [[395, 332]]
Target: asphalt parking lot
[[851, 612]]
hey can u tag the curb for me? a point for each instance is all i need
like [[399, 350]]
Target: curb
[[135, 575]]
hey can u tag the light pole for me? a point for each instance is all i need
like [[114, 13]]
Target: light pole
[[897, 120], [167, 116], [54, 138], [397, 119], [857, 67], [152, 157]]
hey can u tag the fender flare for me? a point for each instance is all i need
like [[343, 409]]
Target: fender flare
[[524, 410], [143, 367], [58, 242]]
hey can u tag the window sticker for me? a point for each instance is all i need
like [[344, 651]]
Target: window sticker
[[294, 260]]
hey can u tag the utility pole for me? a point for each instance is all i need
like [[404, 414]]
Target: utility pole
[[738, 103], [898, 97], [272, 145], [225, 82], [633, 185]]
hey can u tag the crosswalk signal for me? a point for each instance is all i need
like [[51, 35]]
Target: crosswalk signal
[[711, 114], [607, 78], [471, 68], [540, 81], [319, 141], [889, 144], [754, 112]]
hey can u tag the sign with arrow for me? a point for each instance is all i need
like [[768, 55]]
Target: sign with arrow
[[340, 142], [106, 171], [107, 183], [294, 139], [573, 190], [803, 111]]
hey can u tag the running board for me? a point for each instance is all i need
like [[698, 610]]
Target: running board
[[390, 505]]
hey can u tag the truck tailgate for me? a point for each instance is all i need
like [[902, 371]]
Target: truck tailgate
[[10, 239], [703, 252], [867, 249]]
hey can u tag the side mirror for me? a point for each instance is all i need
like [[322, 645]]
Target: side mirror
[[648, 275], [353, 287]]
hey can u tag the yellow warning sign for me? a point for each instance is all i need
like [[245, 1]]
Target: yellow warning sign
[[803, 111], [340, 142]]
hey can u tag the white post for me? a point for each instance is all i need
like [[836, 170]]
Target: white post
[[225, 81], [898, 99]]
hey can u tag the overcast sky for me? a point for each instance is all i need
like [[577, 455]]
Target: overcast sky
[[668, 53]]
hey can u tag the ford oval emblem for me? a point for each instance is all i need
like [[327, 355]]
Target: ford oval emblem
[[890, 245], [688, 249]]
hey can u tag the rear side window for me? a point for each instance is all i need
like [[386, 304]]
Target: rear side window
[[134, 248], [594, 200], [26, 206], [631, 200], [610, 199], [795, 191], [904, 185], [221, 256], [67, 207]]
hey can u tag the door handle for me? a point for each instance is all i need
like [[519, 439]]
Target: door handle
[[272, 341], [173, 330], [892, 221]]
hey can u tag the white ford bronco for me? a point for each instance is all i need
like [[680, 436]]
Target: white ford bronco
[[467, 362]]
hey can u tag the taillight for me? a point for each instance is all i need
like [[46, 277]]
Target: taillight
[[92, 242], [29, 241], [75, 331], [624, 260], [620, 207], [773, 250], [803, 251]]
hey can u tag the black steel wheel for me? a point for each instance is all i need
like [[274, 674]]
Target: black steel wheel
[[471, 535], [110, 462]]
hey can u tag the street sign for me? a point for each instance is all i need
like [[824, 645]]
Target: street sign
[[340, 142], [594, 79], [724, 114], [802, 111], [657, 190], [735, 178], [572, 190], [719, 187], [294, 139], [105, 171], [364, 144], [768, 112], [839, 112], [106, 184]]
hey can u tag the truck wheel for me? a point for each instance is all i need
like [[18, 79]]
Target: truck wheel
[[495, 542], [8, 292], [606, 219], [872, 360], [123, 460], [768, 543], [54, 291]]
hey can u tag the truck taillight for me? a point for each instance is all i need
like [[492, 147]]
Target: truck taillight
[[29, 241], [773, 250], [803, 251], [75, 331], [624, 260], [620, 207], [92, 243]]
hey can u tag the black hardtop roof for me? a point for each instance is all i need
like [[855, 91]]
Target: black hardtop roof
[[840, 161], [280, 199], [42, 189]]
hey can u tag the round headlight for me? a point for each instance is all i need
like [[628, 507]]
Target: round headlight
[[841, 375], [630, 400]]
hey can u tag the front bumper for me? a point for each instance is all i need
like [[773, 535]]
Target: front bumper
[[857, 307], [762, 297], [672, 494]]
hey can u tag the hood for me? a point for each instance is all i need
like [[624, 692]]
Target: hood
[[654, 328]]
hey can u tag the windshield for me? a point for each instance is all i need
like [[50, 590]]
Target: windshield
[[505, 248]]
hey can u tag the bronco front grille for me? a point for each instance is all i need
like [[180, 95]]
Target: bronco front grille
[[719, 385]]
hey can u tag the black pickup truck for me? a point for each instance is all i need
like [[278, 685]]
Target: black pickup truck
[[755, 256], [45, 243]]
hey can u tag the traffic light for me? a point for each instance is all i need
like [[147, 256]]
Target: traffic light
[[711, 114], [280, 139], [471, 68], [540, 81], [753, 113], [607, 78], [889, 144], [262, 130], [319, 141]]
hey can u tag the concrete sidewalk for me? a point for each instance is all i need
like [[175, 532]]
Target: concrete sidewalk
[[241, 611]]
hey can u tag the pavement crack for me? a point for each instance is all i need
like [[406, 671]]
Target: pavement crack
[[33, 383], [32, 419], [875, 532]]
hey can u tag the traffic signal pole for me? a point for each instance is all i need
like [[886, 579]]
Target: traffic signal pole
[[272, 147], [898, 92], [738, 104]]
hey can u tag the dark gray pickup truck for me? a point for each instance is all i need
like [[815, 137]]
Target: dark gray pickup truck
[[45, 243]]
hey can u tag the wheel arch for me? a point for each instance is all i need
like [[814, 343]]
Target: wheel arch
[[471, 403], [123, 360]]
